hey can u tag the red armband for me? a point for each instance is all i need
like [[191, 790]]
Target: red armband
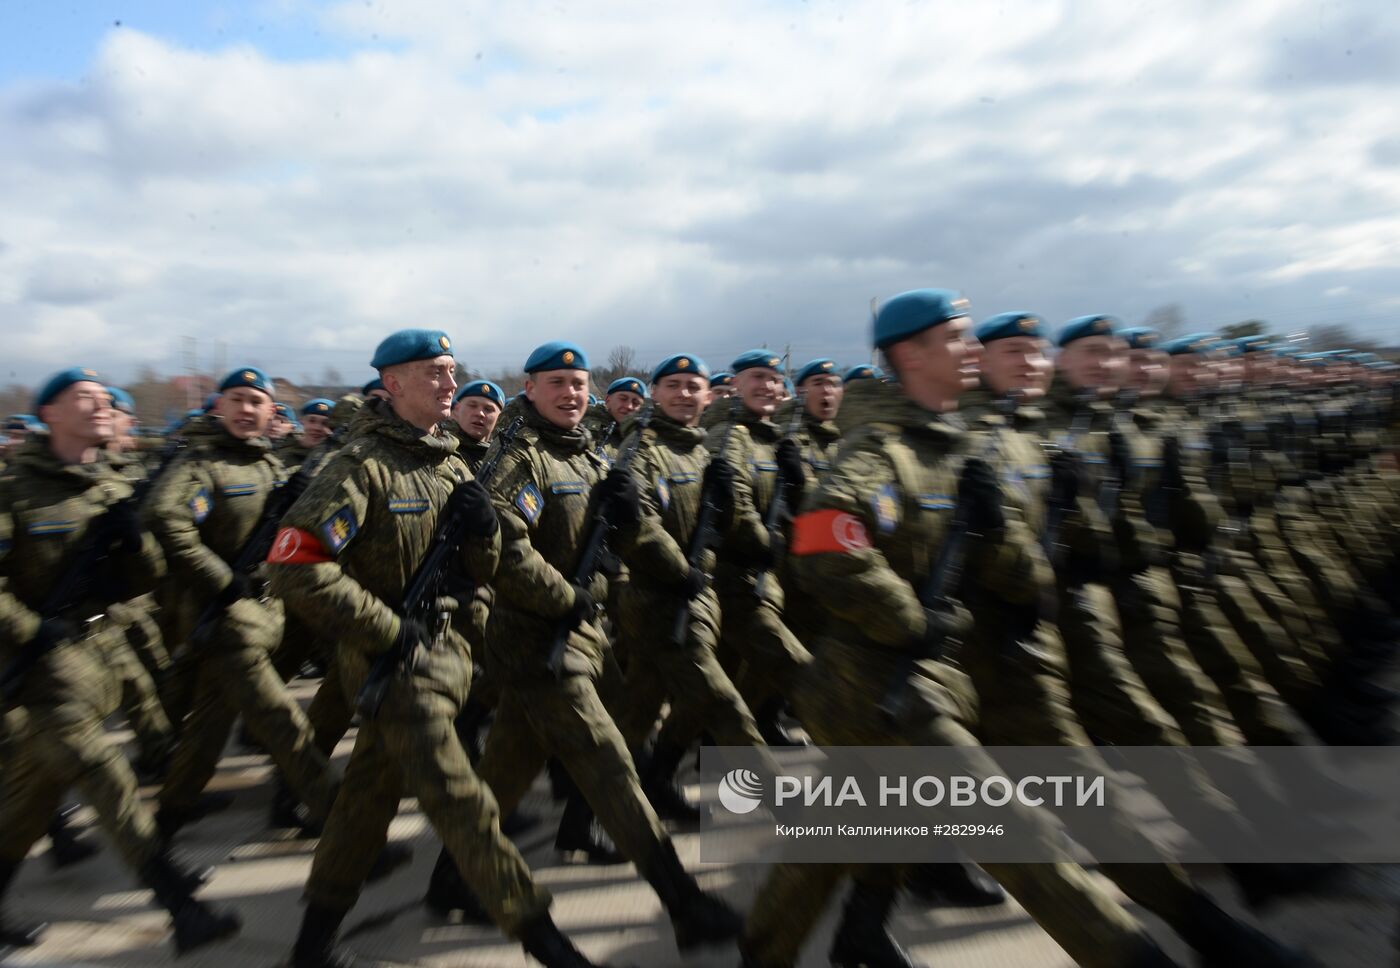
[[817, 532], [296, 547]]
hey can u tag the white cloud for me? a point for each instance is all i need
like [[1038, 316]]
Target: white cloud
[[702, 177]]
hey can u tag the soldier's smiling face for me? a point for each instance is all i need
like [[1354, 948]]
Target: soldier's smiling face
[[824, 393], [761, 389], [81, 414], [1094, 363], [316, 429], [682, 397], [1017, 363], [476, 416], [421, 391], [560, 396], [620, 403], [1147, 371], [245, 411]]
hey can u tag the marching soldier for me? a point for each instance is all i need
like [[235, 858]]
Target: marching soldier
[[55, 492], [476, 409], [316, 428]]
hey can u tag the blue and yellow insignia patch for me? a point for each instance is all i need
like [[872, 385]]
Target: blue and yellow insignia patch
[[663, 492], [885, 504], [568, 487], [407, 505], [200, 506], [240, 490], [53, 527], [529, 502], [338, 529]]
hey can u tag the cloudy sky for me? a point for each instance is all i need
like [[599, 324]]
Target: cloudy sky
[[285, 181]]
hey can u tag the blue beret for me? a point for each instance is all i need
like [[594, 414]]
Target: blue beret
[[408, 345], [819, 367], [371, 386], [247, 376], [481, 388], [631, 384], [1364, 357], [61, 381], [556, 355], [1194, 343], [1007, 325], [121, 400], [1140, 337], [909, 313], [722, 379], [22, 421], [320, 407], [686, 363], [1082, 326], [191, 414], [593, 400], [1252, 344], [757, 358], [864, 371], [283, 410]]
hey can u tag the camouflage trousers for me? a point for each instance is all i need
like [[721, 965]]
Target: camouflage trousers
[[702, 697], [236, 675], [763, 655], [63, 744], [410, 749], [566, 719], [836, 701], [141, 703]]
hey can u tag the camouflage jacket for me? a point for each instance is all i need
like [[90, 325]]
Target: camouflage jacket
[[46, 507], [350, 544], [750, 445], [542, 493], [291, 453]]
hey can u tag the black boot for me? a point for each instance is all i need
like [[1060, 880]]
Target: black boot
[[15, 933], [543, 941], [580, 832], [65, 847], [696, 917], [170, 819], [287, 813], [953, 884], [1224, 942], [391, 858], [862, 940], [196, 923], [447, 892], [770, 725], [561, 785], [659, 784], [519, 822], [1262, 884], [315, 945]]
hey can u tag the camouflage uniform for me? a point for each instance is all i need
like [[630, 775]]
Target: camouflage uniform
[[202, 510], [865, 541], [343, 559]]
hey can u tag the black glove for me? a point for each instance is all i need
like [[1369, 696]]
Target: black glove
[[53, 631], [979, 497], [413, 640], [1120, 459], [124, 520], [478, 513], [1066, 478], [718, 483], [694, 583], [944, 619], [584, 607], [239, 586], [1171, 465], [619, 501], [791, 468]]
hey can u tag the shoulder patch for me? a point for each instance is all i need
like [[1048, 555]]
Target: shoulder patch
[[568, 487], [53, 527], [529, 502], [337, 530], [663, 492], [884, 503], [200, 506], [408, 505]]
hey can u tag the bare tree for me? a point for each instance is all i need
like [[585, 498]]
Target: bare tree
[[1167, 320], [1338, 336], [1250, 327]]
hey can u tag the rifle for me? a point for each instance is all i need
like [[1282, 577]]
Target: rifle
[[602, 449], [773, 519], [946, 573], [75, 585], [425, 586], [704, 534], [595, 546], [256, 546], [1059, 506]]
